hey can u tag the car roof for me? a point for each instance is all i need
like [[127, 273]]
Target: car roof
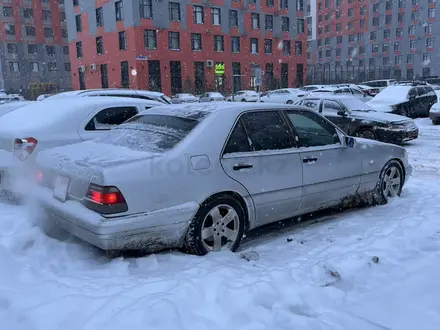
[[327, 96], [43, 114], [108, 90]]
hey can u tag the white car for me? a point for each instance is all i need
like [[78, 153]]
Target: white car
[[309, 88], [184, 98], [243, 96], [285, 95], [380, 84], [43, 97], [212, 97], [116, 92], [32, 128]]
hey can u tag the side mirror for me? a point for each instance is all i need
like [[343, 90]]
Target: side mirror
[[342, 113], [349, 141]]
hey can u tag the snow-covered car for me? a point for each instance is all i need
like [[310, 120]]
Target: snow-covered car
[[116, 92], [201, 176], [309, 88], [243, 96], [11, 106], [356, 118], [434, 112], [409, 100], [6, 98], [43, 97], [285, 95], [352, 91], [32, 128], [184, 98], [212, 97], [381, 84], [371, 91]]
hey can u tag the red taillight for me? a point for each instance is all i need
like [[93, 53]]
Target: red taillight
[[24, 147], [105, 195]]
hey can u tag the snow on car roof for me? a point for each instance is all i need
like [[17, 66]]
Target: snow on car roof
[[392, 94], [49, 112], [106, 90], [326, 96]]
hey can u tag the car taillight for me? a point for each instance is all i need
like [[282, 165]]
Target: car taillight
[[24, 147], [105, 199]]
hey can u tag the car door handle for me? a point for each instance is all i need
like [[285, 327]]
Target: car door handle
[[241, 166], [310, 159]]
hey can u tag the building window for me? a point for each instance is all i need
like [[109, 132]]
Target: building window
[[431, 12], [426, 57], [269, 3], [66, 50], [399, 32], [173, 40], [29, 30], [28, 13], [412, 30], [62, 16], [400, 17], [146, 9], [79, 50], [46, 15], [174, 11], [150, 41], [235, 44], [285, 24], [34, 66], [216, 16], [388, 19], [373, 35], [284, 4], [428, 28], [196, 41], [10, 29], [254, 45], [12, 48], [298, 48], [67, 67], [104, 75], [99, 45], [219, 44], [255, 18], [52, 66], [78, 23], [350, 12], [48, 32], [385, 47], [122, 36], [198, 14], [32, 49], [385, 60], [412, 44], [125, 81], [99, 16], [267, 46], [397, 46], [376, 21], [13, 67], [233, 18], [64, 33], [430, 43], [7, 11], [409, 59], [374, 48], [300, 25], [268, 22], [119, 11], [398, 60], [75, 3], [50, 50]]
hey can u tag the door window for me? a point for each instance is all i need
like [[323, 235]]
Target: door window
[[312, 104], [312, 130], [238, 141], [108, 118], [421, 91], [332, 107], [412, 93], [357, 92], [267, 130]]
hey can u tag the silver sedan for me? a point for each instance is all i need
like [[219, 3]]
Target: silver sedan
[[201, 176]]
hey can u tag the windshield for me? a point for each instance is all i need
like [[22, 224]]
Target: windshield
[[152, 132], [392, 95], [354, 104]]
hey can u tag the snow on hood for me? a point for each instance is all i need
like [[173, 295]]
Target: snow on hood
[[379, 116], [92, 153]]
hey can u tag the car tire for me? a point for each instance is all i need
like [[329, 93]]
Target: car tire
[[367, 134], [243, 100], [386, 189], [289, 102], [205, 221], [435, 122]]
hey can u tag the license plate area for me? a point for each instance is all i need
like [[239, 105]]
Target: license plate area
[[61, 187]]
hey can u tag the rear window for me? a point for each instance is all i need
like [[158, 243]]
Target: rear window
[[153, 132]]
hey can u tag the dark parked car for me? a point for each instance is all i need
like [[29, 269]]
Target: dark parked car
[[408, 99], [356, 118]]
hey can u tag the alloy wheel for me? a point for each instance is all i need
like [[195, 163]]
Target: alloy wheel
[[391, 182]]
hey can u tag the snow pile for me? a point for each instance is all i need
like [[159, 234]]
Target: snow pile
[[374, 268]]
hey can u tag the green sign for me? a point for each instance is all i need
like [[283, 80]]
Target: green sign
[[219, 68]]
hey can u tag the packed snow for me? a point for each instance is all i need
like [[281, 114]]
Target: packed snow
[[372, 268]]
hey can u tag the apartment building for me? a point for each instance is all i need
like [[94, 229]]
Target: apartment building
[[373, 39], [33, 45], [176, 46]]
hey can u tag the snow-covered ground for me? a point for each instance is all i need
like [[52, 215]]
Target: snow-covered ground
[[375, 268]]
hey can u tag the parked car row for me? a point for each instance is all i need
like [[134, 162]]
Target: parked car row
[[115, 171]]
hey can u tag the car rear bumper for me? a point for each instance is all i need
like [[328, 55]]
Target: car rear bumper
[[434, 115], [152, 231], [397, 136]]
